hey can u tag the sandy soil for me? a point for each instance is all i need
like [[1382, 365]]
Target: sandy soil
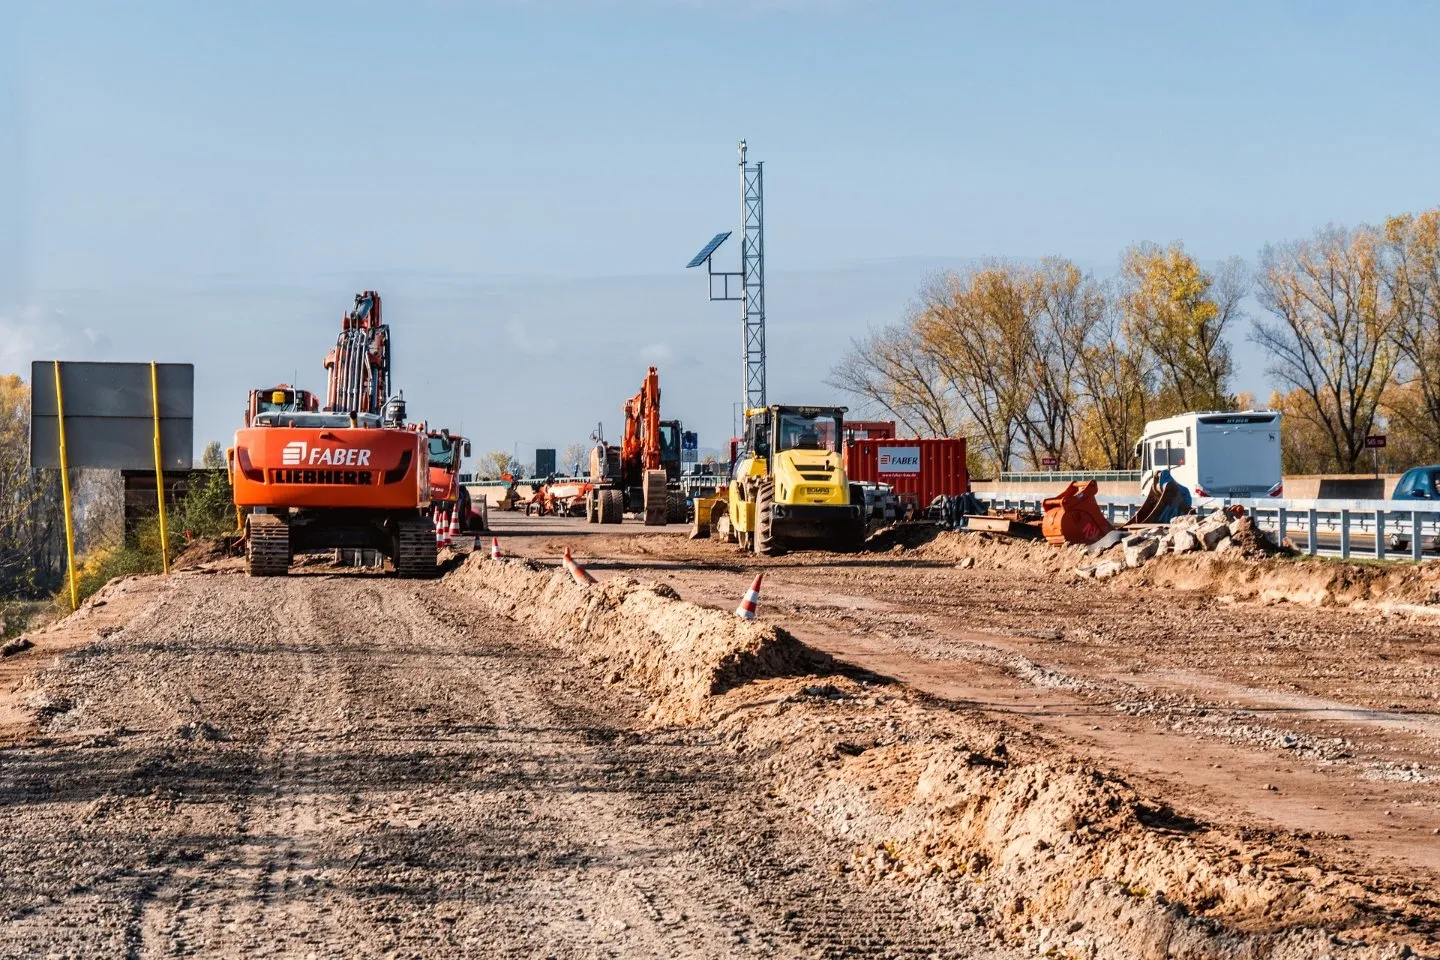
[[1321, 720], [330, 765]]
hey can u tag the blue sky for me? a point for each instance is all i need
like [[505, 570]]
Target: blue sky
[[523, 181]]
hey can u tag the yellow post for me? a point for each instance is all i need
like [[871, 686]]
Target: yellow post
[[65, 489], [159, 469]]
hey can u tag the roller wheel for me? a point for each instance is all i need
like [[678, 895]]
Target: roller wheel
[[414, 555], [267, 546], [765, 542], [657, 498], [612, 506]]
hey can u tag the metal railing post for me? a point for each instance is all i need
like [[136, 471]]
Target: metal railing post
[[1417, 551], [1344, 534], [1280, 518], [1379, 534], [1312, 545]]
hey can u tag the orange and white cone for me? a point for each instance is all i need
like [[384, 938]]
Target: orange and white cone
[[495, 553], [581, 575], [746, 610], [454, 524], [439, 529]]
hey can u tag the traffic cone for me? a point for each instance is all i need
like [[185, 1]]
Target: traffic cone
[[746, 610], [495, 553], [439, 529], [454, 523], [581, 575]]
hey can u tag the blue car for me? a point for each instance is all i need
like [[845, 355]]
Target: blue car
[[1422, 484], [1419, 483]]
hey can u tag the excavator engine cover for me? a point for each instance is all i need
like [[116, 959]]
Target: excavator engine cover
[[1074, 516]]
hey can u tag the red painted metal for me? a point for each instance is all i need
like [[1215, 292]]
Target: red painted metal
[[939, 467], [869, 429]]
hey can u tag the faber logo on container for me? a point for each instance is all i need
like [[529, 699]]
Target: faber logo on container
[[899, 459], [293, 454]]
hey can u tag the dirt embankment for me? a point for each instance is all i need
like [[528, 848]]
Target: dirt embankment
[[1064, 858], [1304, 581]]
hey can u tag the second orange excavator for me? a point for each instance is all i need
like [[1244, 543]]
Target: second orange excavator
[[641, 474], [352, 475]]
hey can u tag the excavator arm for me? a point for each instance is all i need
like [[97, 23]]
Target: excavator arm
[[358, 367]]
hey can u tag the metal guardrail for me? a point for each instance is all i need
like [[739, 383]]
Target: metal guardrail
[[1418, 523], [1068, 476]]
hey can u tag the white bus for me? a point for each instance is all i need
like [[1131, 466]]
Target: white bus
[[1215, 454]]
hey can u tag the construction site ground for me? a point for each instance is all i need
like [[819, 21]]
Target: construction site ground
[[952, 748]]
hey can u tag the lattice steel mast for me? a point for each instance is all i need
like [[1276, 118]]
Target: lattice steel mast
[[751, 277]]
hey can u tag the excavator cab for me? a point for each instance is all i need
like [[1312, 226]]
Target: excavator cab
[[281, 398]]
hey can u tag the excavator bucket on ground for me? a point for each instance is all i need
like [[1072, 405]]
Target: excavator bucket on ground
[[1073, 516], [1166, 500]]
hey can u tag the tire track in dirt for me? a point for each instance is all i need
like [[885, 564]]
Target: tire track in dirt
[[360, 765]]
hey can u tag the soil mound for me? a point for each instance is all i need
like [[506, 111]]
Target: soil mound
[[679, 653], [201, 551]]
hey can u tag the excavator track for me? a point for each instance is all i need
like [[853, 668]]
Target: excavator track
[[414, 555], [267, 546]]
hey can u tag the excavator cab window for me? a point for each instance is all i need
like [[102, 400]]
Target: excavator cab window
[[669, 442]]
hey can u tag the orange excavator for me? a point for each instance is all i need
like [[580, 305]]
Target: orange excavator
[[637, 475], [352, 475]]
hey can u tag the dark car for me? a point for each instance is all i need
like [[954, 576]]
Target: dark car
[[1417, 483]]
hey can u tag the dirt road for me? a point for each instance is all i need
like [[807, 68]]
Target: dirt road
[[331, 765], [1324, 721]]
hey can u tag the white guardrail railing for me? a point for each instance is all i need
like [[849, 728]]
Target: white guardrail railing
[[1329, 527]]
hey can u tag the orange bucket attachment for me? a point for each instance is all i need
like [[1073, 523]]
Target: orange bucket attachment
[[1074, 516]]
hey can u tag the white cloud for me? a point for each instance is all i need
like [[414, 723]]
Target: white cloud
[[36, 332], [657, 353], [529, 339]]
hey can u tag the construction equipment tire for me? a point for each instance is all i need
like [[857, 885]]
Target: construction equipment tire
[[678, 507], [592, 510], [765, 543], [656, 496], [267, 546], [612, 506], [415, 549]]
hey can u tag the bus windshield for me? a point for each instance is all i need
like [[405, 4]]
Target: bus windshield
[[798, 432]]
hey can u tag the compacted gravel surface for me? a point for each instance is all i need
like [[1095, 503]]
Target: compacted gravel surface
[[329, 765]]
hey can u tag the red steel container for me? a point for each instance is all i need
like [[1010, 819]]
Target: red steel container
[[869, 429], [924, 469]]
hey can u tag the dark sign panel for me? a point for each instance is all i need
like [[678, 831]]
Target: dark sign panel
[[109, 418], [1375, 442]]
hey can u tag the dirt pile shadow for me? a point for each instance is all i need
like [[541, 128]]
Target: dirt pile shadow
[[1004, 828]]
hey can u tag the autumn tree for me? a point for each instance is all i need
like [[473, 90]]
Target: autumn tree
[[892, 371], [1332, 333], [1413, 401], [213, 457], [496, 463], [1177, 314]]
